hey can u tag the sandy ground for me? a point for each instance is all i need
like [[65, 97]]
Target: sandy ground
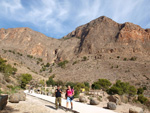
[[32, 105]]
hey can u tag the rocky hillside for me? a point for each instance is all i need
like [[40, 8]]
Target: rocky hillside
[[101, 48]]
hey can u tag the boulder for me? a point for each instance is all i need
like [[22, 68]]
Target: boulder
[[124, 99], [135, 110], [111, 105], [82, 99], [22, 96], [14, 98], [94, 101], [3, 101], [115, 98]]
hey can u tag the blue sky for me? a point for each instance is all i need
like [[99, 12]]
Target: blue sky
[[56, 18]]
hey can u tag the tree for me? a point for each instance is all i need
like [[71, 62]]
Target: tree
[[25, 79], [132, 91], [42, 82], [142, 99], [122, 88], [101, 84], [140, 91], [87, 84], [50, 81]]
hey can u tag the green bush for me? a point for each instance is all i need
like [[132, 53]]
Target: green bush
[[122, 88], [142, 99], [63, 64], [140, 91], [47, 65], [101, 84], [7, 69], [132, 91], [30, 56], [84, 58], [115, 90], [87, 84], [42, 82], [25, 79], [125, 59], [13, 89], [133, 58], [39, 59], [50, 81], [74, 62], [70, 84]]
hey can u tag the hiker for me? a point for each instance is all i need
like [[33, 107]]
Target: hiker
[[69, 96], [58, 96]]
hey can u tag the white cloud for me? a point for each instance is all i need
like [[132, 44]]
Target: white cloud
[[62, 16]]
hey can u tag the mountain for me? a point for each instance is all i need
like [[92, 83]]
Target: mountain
[[104, 35], [101, 48]]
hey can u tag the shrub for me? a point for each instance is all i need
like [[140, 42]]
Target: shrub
[[7, 69], [115, 90], [118, 56], [125, 59], [74, 62], [39, 59], [87, 84], [47, 65], [42, 82], [30, 56], [84, 58], [63, 64], [133, 58], [70, 84], [142, 99], [122, 88], [37, 62], [96, 86], [25, 79], [132, 91], [101, 84], [50, 81], [50, 71], [140, 91]]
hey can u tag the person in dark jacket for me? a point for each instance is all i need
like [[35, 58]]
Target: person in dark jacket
[[58, 96]]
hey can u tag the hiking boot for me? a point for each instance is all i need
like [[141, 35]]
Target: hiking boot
[[71, 108]]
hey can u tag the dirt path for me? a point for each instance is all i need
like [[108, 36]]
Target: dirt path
[[32, 105]]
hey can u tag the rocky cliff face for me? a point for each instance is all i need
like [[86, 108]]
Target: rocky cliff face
[[104, 35], [33, 43]]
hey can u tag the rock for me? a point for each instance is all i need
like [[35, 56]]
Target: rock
[[14, 98], [115, 98], [82, 99], [22, 96], [124, 99], [94, 101], [111, 105], [3, 101], [135, 110]]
